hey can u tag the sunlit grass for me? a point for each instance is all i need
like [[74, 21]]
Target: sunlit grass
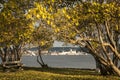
[[54, 74]]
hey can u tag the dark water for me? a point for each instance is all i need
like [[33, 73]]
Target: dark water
[[68, 61]]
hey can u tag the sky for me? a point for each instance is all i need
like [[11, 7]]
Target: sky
[[61, 44]]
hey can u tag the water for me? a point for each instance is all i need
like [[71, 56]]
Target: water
[[62, 61]]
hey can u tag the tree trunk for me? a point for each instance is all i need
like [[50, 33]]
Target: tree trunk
[[103, 65], [115, 60], [40, 60], [100, 68], [10, 59], [115, 69]]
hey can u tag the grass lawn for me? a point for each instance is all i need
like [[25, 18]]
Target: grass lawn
[[54, 74]]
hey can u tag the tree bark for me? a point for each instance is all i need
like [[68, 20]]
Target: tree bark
[[40, 60], [9, 58]]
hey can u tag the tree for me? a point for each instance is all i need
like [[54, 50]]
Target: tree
[[97, 28], [15, 31], [93, 24], [43, 33], [43, 38]]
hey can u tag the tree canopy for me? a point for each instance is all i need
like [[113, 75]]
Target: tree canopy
[[94, 24]]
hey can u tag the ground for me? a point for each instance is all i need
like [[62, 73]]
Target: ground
[[32, 73]]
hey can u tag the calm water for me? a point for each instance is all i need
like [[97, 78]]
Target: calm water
[[68, 61]]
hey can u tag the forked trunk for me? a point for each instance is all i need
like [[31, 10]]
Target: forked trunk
[[40, 60], [109, 69]]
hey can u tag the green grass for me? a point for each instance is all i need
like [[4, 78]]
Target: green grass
[[54, 74]]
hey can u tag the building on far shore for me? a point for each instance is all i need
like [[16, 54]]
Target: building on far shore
[[67, 51], [59, 51]]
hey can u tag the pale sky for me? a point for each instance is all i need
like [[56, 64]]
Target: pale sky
[[61, 44]]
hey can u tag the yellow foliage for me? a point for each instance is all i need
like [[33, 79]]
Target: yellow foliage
[[42, 43], [77, 23], [64, 10], [53, 0], [48, 22], [119, 15], [57, 30], [38, 16], [116, 27], [53, 26], [68, 16]]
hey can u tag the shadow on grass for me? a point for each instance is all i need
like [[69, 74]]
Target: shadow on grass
[[65, 71]]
